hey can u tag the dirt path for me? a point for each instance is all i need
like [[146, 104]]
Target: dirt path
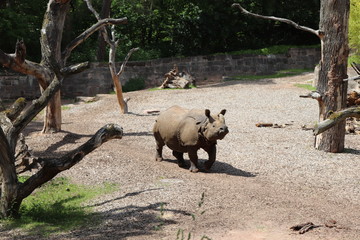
[[265, 180]]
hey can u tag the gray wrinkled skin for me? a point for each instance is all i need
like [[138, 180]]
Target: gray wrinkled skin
[[184, 130]]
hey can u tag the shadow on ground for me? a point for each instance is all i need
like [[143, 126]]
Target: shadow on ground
[[352, 151], [218, 167], [62, 138], [236, 82], [115, 223], [131, 134], [143, 114], [33, 127]]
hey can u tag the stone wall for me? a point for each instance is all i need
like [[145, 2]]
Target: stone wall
[[205, 69]]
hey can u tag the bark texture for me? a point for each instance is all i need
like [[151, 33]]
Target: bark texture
[[105, 13], [331, 89], [49, 73], [334, 16], [50, 40], [12, 192], [116, 76], [336, 118], [113, 43], [9, 183]]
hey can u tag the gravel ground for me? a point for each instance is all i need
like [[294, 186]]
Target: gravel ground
[[265, 180]]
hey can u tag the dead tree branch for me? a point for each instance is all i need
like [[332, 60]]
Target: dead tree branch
[[51, 167], [91, 8], [314, 95], [317, 96], [284, 20], [26, 116], [15, 109], [113, 43], [355, 67], [25, 67], [122, 67], [335, 118], [352, 78], [20, 52], [76, 68], [103, 31], [304, 227], [87, 33], [357, 70]]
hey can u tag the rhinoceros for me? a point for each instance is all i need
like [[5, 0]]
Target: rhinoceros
[[184, 130]]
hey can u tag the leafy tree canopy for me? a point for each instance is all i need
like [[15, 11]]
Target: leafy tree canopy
[[164, 28], [21, 20]]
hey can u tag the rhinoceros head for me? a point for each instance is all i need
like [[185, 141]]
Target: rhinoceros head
[[215, 127]]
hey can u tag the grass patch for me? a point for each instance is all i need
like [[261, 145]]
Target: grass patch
[[278, 49], [279, 74], [306, 86], [353, 58], [57, 206], [65, 108]]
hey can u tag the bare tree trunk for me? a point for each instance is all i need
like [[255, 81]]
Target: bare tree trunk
[[116, 76], [52, 115], [51, 37], [12, 193], [8, 180], [105, 13], [332, 90], [334, 17], [113, 43], [119, 94], [49, 73]]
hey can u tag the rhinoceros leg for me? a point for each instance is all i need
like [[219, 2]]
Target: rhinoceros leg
[[158, 155], [159, 147], [193, 161], [212, 156], [180, 158]]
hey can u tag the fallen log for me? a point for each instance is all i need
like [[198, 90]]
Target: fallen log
[[176, 79], [335, 118], [304, 227]]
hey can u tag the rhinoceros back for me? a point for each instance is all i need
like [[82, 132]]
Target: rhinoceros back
[[167, 123], [177, 128]]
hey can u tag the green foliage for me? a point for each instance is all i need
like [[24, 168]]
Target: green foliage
[[57, 206], [77, 21], [166, 28], [65, 108], [160, 218], [306, 86], [181, 232], [141, 54], [354, 30], [22, 179], [185, 28], [354, 58], [134, 84], [279, 49], [21, 20], [279, 74]]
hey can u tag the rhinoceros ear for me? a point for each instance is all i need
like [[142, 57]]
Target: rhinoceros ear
[[207, 113], [223, 112]]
